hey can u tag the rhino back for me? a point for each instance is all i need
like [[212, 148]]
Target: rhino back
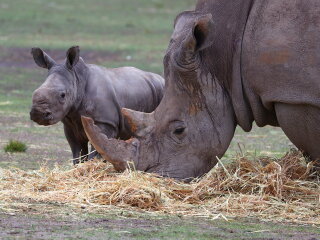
[[136, 89], [281, 55], [109, 90]]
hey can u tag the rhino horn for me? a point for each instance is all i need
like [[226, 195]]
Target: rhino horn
[[119, 153], [140, 123]]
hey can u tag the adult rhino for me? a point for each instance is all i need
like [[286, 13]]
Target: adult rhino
[[228, 63], [75, 88]]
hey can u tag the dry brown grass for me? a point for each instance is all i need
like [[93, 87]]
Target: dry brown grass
[[282, 190]]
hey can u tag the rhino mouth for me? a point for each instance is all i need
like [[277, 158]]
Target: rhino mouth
[[44, 118], [44, 122]]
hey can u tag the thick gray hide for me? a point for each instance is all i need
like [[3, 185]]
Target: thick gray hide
[[75, 88], [229, 63]]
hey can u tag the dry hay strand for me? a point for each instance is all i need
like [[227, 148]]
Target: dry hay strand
[[282, 190]]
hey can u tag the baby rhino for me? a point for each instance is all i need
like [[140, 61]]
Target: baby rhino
[[75, 88]]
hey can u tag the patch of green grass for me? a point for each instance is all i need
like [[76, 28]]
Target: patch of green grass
[[265, 141], [16, 87], [15, 146], [113, 24]]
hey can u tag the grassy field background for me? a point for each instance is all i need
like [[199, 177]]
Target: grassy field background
[[110, 33]]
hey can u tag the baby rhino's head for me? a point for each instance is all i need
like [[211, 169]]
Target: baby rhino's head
[[52, 101]]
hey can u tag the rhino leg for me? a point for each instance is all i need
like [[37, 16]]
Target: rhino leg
[[301, 124], [84, 151], [93, 154], [74, 144]]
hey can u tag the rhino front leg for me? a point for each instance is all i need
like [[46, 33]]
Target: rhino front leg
[[78, 148], [301, 125], [84, 151], [93, 153]]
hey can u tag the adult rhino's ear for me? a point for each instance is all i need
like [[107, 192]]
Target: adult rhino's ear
[[73, 55], [201, 35], [42, 59]]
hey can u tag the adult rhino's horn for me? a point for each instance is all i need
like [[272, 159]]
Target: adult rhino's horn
[[140, 123], [119, 153]]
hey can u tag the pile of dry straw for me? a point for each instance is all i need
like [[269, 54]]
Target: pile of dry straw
[[281, 190]]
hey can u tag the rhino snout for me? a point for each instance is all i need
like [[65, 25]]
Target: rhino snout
[[41, 117]]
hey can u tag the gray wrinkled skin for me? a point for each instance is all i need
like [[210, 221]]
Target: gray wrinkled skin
[[229, 63], [75, 88]]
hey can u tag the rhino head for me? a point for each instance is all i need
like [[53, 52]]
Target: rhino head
[[57, 95], [195, 121]]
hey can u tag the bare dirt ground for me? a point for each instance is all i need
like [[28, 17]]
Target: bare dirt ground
[[31, 226]]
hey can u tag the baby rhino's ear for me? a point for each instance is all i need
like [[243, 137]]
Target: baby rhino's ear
[[73, 55], [42, 59]]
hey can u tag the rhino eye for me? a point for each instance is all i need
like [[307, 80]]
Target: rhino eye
[[179, 130], [62, 95]]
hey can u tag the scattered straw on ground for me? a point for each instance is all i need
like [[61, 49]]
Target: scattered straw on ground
[[279, 190]]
